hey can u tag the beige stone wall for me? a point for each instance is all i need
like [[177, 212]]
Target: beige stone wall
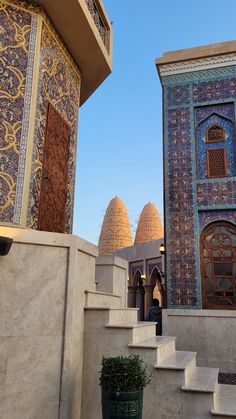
[[42, 300], [112, 276], [209, 332]]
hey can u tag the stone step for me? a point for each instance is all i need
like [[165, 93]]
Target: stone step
[[127, 315], [138, 331], [116, 315], [198, 393], [160, 346], [184, 361], [98, 299], [177, 361], [202, 380], [225, 402]]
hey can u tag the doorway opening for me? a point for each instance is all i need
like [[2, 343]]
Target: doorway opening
[[218, 266]]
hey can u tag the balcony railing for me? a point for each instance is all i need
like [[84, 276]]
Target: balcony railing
[[98, 20]]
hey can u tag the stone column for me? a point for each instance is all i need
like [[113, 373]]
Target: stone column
[[148, 297], [132, 296]]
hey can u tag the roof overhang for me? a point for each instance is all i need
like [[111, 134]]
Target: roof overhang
[[197, 58], [76, 26]]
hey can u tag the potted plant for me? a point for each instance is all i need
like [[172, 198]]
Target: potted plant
[[122, 381]]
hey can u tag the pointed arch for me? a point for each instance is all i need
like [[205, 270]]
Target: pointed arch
[[218, 265], [155, 280]]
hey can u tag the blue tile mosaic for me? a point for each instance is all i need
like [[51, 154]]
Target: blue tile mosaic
[[192, 100], [225, 109], [178, 95], [207, 217], [202, 145]]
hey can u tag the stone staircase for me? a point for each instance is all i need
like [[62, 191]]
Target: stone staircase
[[178, 390]]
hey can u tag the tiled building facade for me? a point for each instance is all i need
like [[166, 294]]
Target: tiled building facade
[[47, 71], [199, 94], [27, 29]]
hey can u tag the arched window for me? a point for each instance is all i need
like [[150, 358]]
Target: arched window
[[216, 157], [218, 266], [215, 133]]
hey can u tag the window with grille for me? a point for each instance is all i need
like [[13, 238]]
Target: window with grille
[[215, 133], [216, 162]]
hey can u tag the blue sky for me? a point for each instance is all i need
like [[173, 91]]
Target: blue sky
[[120, 126]]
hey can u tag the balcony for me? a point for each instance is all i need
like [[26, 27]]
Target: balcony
[[98, 18], [87, 33]]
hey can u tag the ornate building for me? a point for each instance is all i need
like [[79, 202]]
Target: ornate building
[[48, 70], [199, 95]]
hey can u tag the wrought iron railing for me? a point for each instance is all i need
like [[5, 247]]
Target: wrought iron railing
[[98, 20]]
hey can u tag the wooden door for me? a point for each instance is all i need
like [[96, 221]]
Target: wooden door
[[52, 212], [218, 266]]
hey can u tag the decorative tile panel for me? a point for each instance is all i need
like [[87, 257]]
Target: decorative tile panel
[[18, 35], [221, 193], [60, 85], [202, 146], [214, 90], [180, 234], [207, 217], [224, 109], [178, 95]]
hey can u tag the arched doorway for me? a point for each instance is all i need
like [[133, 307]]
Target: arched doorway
[[158, 290], [218, 266]]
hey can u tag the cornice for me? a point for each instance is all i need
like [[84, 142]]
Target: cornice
[[197, 64]]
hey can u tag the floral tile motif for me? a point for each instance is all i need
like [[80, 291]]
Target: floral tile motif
[[207, 217], [178, 95], [15, 47], [216, 193], [214, 90], [60, 85], [224, 109]]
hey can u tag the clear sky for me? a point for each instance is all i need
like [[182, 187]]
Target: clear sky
[[120, 126]]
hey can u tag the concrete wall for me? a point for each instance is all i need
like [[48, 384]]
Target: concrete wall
[[42, 301], [148, 250], [112, 276], [212, 333]]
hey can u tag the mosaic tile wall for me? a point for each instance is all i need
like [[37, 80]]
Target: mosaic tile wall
[[207, 217], [60, 85], [191, 203], [17, 45]]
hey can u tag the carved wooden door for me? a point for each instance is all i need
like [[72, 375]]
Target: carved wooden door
[[218, 266], [52, 213]]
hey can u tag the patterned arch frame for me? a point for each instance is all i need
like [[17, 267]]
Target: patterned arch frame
[[218, 265]]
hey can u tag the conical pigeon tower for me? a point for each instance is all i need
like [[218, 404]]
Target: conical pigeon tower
[[116, 232], [149, 225]]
